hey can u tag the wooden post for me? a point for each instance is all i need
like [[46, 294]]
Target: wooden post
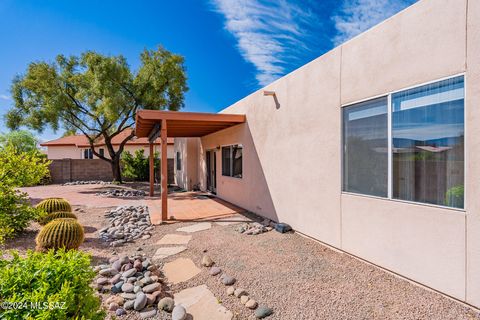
[[163, 137], [152, 172]]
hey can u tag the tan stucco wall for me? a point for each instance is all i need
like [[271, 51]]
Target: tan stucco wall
[[473, 153], [187, 177], [292, 153], [63, 152], [72, 152]]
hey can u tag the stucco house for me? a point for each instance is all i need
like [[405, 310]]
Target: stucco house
[[373, 148], [77, 147]]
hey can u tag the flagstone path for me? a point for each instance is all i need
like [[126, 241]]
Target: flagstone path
[[164, 252], [196, 227], [202, 304], [180, 270], [175, 239]]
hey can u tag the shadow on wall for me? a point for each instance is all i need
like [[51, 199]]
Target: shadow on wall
[[251, 192]]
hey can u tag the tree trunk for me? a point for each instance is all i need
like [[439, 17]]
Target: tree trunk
[[117, 173]]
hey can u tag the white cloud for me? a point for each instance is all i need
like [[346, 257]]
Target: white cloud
[[5, 97], [356, 16], [265, 30]]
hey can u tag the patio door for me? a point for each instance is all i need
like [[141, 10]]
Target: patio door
[[211, 161]]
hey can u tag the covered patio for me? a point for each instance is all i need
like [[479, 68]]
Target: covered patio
[[171, 124]]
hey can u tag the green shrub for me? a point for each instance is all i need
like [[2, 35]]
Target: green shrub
[[59, 279], [15, 212], [454, 197], [137, 166]]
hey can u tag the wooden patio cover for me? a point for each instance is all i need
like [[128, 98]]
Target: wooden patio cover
[[164, 124]]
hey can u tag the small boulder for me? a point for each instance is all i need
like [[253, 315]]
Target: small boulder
[[263, 312], [127, 287], [207, 261], [152, 287], [129, 273], [215, 271], [113, 306], [227, 280], [251, 304], [240, 292], [179, 313], [230, 291], [148, 314], [102, 281], [120, 312], [244, 299], [166, 304], [129, 304], [140, 301]]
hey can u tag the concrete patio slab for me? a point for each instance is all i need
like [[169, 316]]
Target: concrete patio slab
[[196, 227], [165, 252], [202, 304], [180, 270], [175, 239]]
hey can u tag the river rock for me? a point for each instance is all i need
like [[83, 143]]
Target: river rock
[[166, 304]]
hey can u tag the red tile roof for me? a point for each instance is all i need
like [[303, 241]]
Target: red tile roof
[[80, 140]]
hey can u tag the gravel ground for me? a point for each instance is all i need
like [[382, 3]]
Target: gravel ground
[[297, 277]]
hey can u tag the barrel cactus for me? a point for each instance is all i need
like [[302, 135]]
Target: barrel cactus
[[60, 233], [56, 215], [54, 205]]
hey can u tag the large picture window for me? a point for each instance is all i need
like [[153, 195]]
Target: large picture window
[[232, 157], [365, 142], [424, 161], [428, 143]]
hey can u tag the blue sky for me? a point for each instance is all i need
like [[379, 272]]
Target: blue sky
[[231, 47]]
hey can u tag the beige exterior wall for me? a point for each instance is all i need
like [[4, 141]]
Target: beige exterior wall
[[72, 152], [187, 176], [292, 152]]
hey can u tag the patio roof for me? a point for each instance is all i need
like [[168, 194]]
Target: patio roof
[[164, 124], [185, 124]]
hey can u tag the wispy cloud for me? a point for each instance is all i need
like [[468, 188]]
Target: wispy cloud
[[356, 16], [5, 97], [266, 31]]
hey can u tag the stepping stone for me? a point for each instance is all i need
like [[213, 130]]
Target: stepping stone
[[180, 270], [165, 252], [175, 239], [202, 304], [232, 220], [196, 227]]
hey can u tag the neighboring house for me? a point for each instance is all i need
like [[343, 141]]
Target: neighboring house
[[77, 147], [373, 148]]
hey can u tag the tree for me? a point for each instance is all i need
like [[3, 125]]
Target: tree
[[22, 140], [97, 95], [137, 166]]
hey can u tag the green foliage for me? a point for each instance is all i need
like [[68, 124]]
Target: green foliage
[[56, 215], [97, 95], [137, 166], [62, 233], [54, 205], [22, 140], [58, 278], [21, 169], [15, 212], [455, 197]]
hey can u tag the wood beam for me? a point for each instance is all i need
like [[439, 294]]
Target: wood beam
[[164, 169], [152, 171]]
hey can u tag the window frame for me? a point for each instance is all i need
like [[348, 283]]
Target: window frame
[[230, 146], [90, 153], [390, 144]]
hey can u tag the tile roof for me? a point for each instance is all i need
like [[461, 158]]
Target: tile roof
[[80, 140]]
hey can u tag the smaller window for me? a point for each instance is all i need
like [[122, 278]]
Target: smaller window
[[232, 157], [87, 154], [179, 161], [101, 151]]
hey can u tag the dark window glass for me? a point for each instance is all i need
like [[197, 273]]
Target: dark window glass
[[237, 155], [227, 161], [365, 148], [428, 143], [87, 154], [179, 161], [101, 151]]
